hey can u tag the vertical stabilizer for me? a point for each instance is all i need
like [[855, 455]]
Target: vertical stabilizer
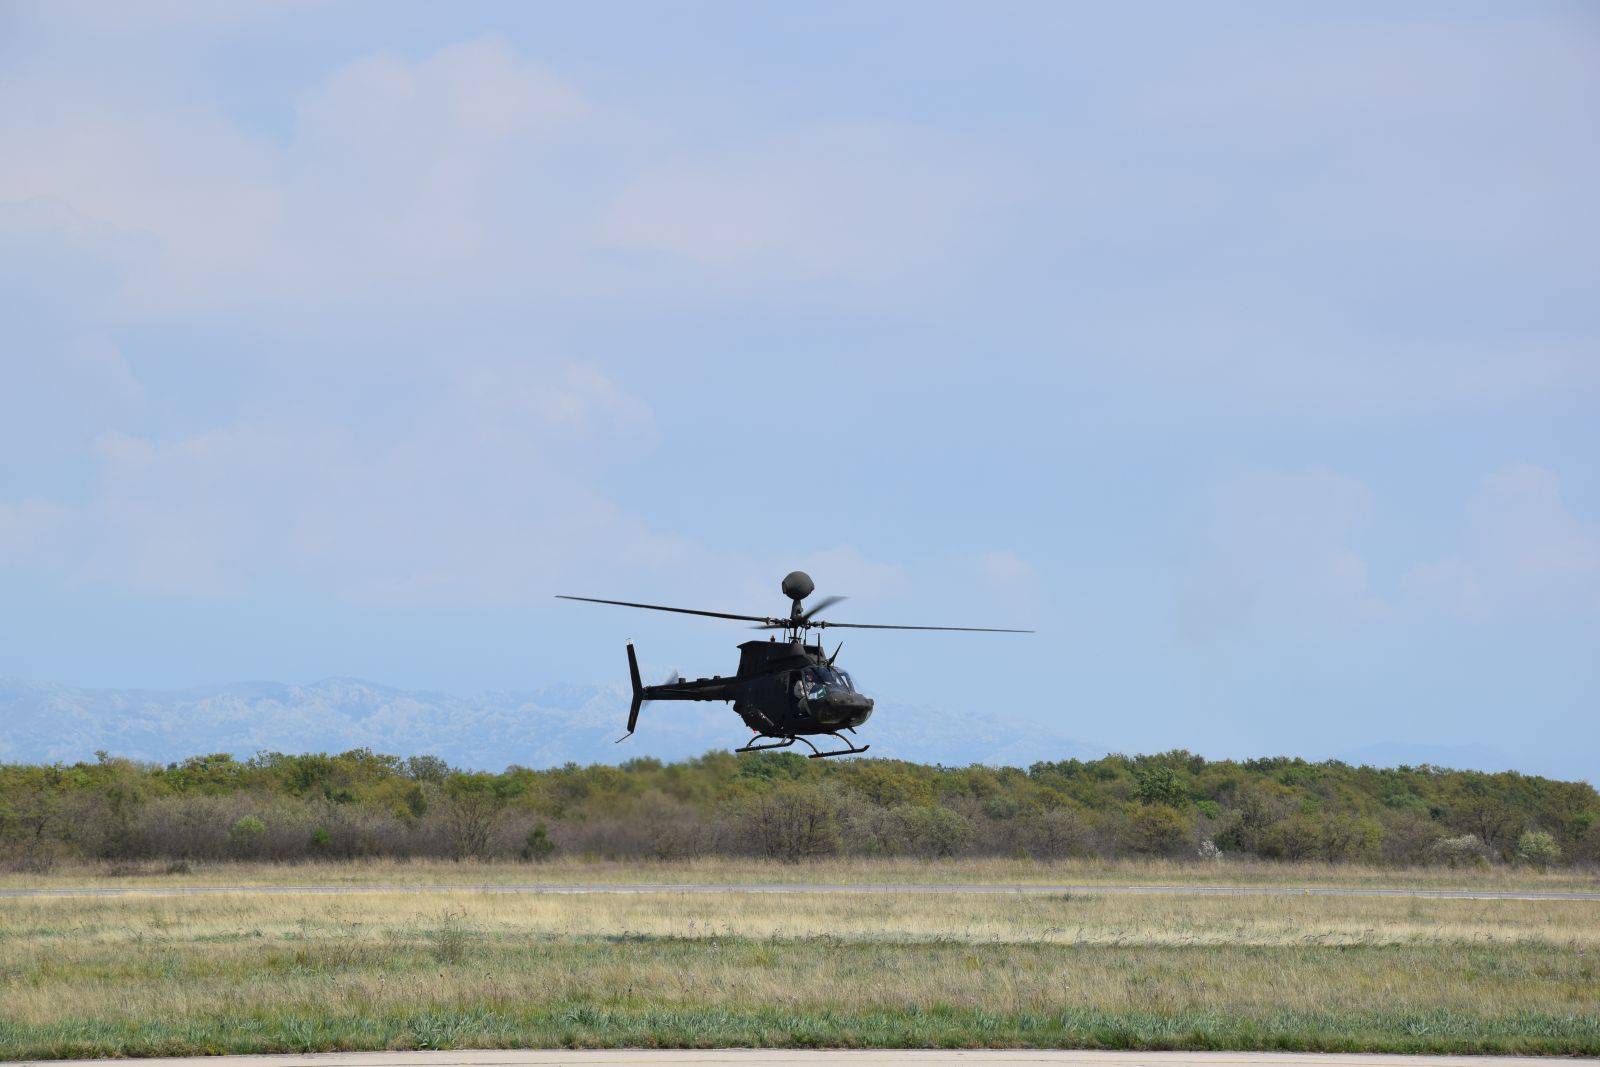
[[638, 693]]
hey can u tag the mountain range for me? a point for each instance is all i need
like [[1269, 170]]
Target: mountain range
[[42, 722], [550, 726]]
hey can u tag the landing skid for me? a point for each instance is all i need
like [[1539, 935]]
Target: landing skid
[[776, 742], [785, 742], [847, 750]]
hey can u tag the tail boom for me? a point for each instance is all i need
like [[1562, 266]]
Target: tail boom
[[717, 688]]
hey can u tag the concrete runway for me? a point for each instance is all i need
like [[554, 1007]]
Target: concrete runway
[[852, 1057], [784, 889]]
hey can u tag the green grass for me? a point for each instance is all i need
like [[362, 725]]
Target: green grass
[[581, 1026], [173, 976], [319, 996]]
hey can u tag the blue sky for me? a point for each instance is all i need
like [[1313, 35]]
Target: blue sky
[[1249, 352]]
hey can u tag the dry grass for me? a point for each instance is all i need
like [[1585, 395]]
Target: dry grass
[[234, 972], [855, 871], [93, 925]]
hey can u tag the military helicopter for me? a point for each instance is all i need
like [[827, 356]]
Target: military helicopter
[[785, 691]]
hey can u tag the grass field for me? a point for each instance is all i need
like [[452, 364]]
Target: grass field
[[866, 871], [228, 972]]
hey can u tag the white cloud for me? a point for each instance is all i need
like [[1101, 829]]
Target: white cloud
[[1280, 551], [479, 93], [1452, 584], [1525, 530], [468, 172], [1526, 547], [397, 180], [459, 503], [30, 530], [97, 368], [191, 196], [860, 203], [409, 169], [576, 399], [1399, 126], [844, 571], [395, 174], [157, 16], [1005, 568], [1352, 213]]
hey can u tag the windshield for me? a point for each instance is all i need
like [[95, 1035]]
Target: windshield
[[818, 680]]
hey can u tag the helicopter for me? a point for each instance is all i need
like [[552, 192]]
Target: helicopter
[[785, 691]]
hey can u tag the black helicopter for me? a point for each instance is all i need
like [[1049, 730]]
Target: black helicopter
[[784, 690]]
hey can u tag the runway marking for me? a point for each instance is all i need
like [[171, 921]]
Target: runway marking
[[797, 888]]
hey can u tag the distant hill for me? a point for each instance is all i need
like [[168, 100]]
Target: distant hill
[[545, 727]]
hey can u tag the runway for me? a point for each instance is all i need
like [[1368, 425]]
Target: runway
[[797, 888], [852, 1057]]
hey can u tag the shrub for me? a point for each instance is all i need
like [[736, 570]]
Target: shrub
[[1408, 837], [477, 802], [1001, 807], [358, 803], [793, 821], [450, 939], [537, 845], [1346, 838], [1538, 848], [1058, 834], [244, 836], [1158, 830], [935, 831], [1465, 850], [1297, 837]]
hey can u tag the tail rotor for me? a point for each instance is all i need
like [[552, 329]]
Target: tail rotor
[[638, 694]]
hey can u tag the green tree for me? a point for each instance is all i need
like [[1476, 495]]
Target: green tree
[[245, 835], [1158, 830], [427, 769], [537, 846], [1538, 848], [1295, 837], [1463, 850], [476, 804], [1158, 783], [933, 831], [792, 822]]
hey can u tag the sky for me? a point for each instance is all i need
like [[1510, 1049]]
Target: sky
[[1248, 352]]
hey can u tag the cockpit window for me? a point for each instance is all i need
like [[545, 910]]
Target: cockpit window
[[819, 679]]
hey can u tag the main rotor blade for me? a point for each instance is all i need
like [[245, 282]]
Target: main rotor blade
[[881, 626], [822, 605], [680, 611]]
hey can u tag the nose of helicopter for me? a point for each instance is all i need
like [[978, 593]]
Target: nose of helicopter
[[848, 709]]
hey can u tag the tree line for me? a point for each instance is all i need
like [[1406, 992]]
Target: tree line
[[292, 808]]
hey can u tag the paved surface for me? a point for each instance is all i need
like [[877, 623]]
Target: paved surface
[[589, 888], [854, 1058]]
